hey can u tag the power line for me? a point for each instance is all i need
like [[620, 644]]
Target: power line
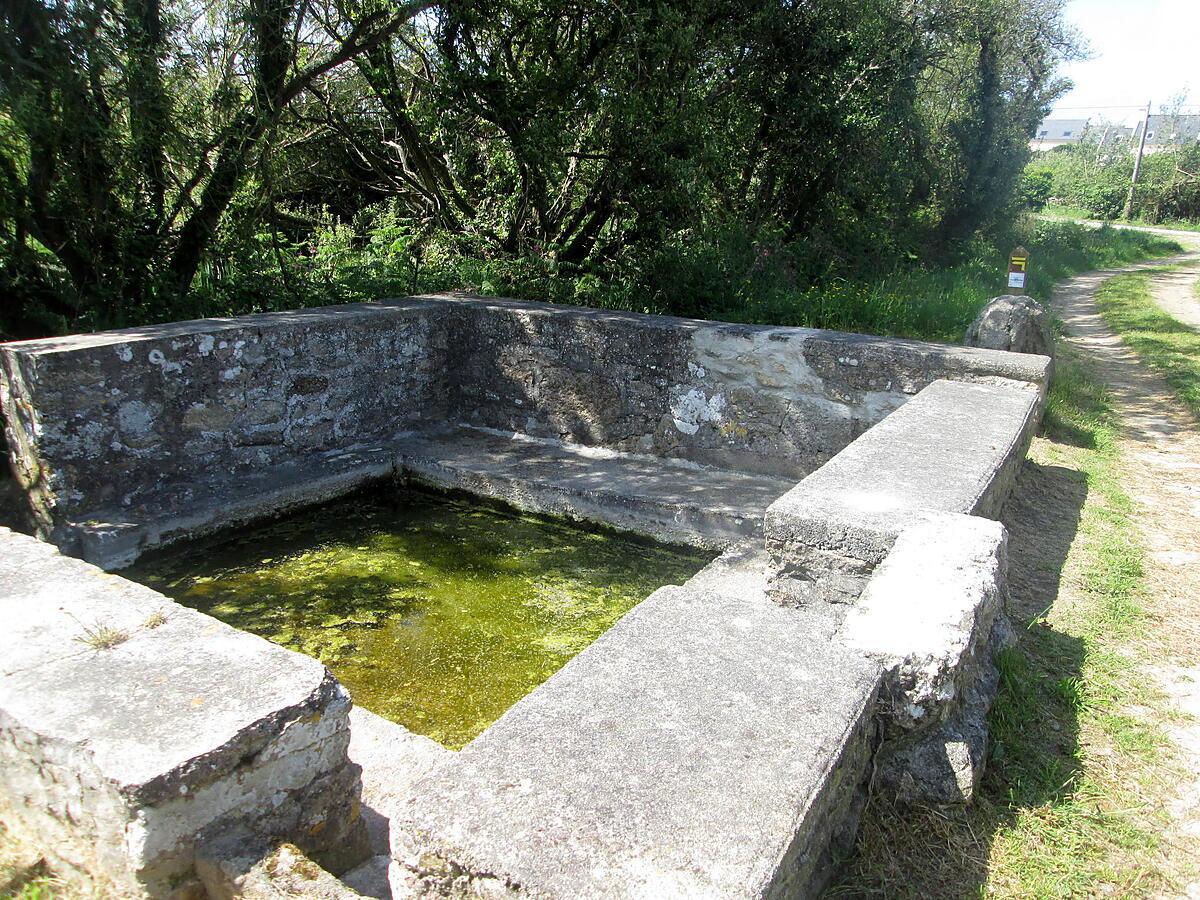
[[1103, 106], [1138, 106]]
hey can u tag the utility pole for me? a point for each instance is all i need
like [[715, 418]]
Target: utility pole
[[1103, 141], [1137, 164]]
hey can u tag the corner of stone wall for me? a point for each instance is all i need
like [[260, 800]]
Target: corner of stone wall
[[934, 616]]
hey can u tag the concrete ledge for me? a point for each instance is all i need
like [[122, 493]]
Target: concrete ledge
[[121, 756], [928, 615], [712, 743], [954, 448], [115, 538], [668, 499]]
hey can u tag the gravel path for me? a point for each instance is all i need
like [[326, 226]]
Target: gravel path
[[1161, 463]]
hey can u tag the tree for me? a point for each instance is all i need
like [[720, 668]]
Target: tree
[[128, 132]]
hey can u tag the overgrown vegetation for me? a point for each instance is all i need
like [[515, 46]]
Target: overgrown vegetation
[[1160, 341], [161, 158], [1072, 802], [1091, 179]]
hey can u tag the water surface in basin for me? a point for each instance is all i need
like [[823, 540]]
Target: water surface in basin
[[435, 611]]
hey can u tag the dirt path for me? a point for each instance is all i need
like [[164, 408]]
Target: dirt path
[[1161, 463], [1175, 294]]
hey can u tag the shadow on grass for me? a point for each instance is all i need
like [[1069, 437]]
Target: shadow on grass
[[1033, 748]]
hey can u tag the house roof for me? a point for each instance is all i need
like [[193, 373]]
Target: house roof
[[1166, 129], [1061, 130]]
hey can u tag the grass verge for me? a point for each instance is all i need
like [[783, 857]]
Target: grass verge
[[934, 304], [1078, 212], [1162, 342], [1073, 802]]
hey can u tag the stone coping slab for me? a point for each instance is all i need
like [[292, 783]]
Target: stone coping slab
[[903, 352], [669, 499], [954, 448], [672, 500], [119, 754], [711, 744], [933, 615]]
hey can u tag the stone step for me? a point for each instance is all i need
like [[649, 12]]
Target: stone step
[[673, 500]]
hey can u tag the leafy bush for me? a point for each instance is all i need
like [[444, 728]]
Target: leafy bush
[[1036, 188], [735, 275], [1096, 181]]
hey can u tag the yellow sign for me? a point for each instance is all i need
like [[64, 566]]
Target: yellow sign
[[1018, 266]]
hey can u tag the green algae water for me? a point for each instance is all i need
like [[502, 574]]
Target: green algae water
[[436, 611]]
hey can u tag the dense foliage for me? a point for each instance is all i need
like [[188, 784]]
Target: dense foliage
[[1093, 178], [165, 158]]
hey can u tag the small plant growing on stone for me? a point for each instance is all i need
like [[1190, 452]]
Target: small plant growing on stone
[[155, 619], [102, 637]]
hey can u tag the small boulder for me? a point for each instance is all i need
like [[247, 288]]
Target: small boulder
[[1014, 323]]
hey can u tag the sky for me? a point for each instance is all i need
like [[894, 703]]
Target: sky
[[1141, 50]]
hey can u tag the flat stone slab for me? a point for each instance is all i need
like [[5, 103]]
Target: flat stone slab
[[673, 500], [954, 448], [114, 538], [670, 499], [709, 744], [118, 753]]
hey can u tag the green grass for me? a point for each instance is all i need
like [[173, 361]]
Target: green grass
[[939, 304], [1065, 211], [1162, 342], [1073, 802], [1055, 211], [1077, 816], [37, 890], [23, 875]]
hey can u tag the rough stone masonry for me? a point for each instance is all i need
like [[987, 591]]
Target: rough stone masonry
[[718, 741]]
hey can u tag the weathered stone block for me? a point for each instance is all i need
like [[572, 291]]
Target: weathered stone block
[[207, 417], [132, 729], [712, 743], [927, 613], [954, 448], [241, 866], [1013, 323], [932, 615]]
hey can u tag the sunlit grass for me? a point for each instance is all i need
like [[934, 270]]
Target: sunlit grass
[[1078, 212], [939, 304], [1162, 342]]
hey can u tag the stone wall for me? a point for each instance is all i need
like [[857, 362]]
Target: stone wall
[[103, 424], [892, 590], [102, 421], [778, 401]]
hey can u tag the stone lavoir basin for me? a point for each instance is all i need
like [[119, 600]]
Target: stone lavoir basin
[[437, 611], [543, 705]]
